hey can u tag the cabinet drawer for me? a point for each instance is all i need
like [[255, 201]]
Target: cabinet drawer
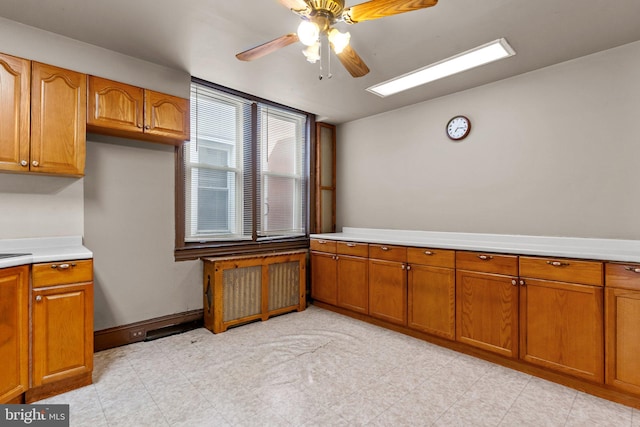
[[352, 248], [323, 245], [62, 273], [622, 275], [562, 270], [388, 252], [432, 257], [487, 263]]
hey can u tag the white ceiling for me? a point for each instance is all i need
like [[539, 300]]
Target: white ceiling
[[203, 36]]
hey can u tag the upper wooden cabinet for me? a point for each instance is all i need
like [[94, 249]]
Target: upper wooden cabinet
[[58, 120], [15, 80], [42, 117], [123, 110]]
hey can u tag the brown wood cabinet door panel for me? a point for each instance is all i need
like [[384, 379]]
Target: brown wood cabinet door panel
[[487, 312], [562, 270], [15, 110], [353, 283], [623, 339], [321, 245], [58, 120], [166, 116], [388, 291], [62, 332], [562, 327], [352, 248], [622, 275], [62, 273], [14, 332], [324, 285], [388, 252], [433, 257], [431, 306], [487, 262], [115, 105]]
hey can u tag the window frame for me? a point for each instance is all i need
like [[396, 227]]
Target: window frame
[[194, 250]]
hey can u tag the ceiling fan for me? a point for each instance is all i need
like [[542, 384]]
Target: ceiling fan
[[318, 18]]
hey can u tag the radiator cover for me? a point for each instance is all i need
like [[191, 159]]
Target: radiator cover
[[242, 289]]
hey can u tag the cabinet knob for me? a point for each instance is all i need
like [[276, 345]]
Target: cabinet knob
[[404, 266], [408, 267], [514, 282], [39, 298], [139, 125], [24, 163], [522, 283], [147, 127], [35, 163]]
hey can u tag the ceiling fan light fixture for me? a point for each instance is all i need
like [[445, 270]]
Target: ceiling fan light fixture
[[338, 40], [308, 33], [481, 55], [312, 53]]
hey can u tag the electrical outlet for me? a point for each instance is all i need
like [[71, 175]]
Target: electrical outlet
[[137, 334]]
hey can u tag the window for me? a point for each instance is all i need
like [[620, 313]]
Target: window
[[244, 173]]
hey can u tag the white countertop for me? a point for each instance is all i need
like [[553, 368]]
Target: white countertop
[[566, 247], [46, 249]]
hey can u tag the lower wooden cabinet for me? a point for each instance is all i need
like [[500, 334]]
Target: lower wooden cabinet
[[353, 283], [388, 291], [14, 333], [324, 284], [431, 291], [487, 302], [562, 315], [622, 334], [62, 332], [561, 327]]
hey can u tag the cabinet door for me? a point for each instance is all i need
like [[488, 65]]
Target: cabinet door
[[14, 332], [15, 77], [432, 300], [487, 311], [324, 286], [166, 116], [353, 283], [62, 332], [562, 327], [115, 106], [388, 291], [623, 339], [58, 120]]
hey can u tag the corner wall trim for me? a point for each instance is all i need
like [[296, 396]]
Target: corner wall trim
[[147, 329]]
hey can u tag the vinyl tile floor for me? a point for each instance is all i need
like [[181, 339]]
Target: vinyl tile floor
[[318, 368]]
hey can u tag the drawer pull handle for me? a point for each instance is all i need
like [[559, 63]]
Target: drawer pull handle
[[428, 253], [322, 242], [485, 257], [557, 263], [351, 245], [384, 248], [633, 269], [63, 266]]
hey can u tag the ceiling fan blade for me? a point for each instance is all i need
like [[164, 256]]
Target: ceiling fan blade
[[295, 5], [352, 62], [375, 9], [268, 47]]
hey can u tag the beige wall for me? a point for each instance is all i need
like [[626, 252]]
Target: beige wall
[[552, 152], [124, 206]]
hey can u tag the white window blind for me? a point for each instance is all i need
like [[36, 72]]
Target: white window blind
[[243, 183]]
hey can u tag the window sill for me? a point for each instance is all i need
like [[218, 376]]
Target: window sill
[[192, 251]]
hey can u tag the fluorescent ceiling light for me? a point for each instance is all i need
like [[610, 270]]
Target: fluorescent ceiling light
[[480, 55]]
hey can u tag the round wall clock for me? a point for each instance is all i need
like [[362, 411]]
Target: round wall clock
[[458, 128]]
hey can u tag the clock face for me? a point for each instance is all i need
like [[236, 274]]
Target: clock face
[[458, 127]]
